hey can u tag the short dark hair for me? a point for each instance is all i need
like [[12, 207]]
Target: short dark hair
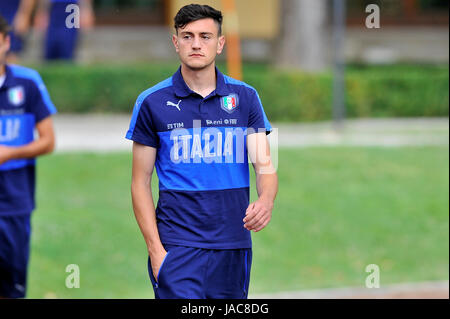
[[194, 12], [4, 26]]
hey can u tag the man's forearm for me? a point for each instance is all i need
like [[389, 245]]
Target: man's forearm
[[267, 186], [144, 211], [44, 144], [26, 7], [34, 149], [86, 4]]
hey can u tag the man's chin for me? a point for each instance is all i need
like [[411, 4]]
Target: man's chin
[[198, 66]]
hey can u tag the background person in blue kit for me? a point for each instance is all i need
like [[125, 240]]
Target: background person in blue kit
[[60, 41], [18, 14], [191, 127], [24, 106]]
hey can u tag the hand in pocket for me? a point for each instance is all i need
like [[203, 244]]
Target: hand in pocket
[[157, 261]]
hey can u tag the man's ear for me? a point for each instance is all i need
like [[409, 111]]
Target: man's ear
[[7, 42], [220, 44], [175, 42]]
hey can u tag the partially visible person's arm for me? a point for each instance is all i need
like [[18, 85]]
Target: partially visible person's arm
[[42, 15], [87, 16], [23, 16], [44, 144], [259, 213], [143, 205]]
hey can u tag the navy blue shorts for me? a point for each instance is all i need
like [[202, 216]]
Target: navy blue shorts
[[15, 234], [196, 273], [60, 44]]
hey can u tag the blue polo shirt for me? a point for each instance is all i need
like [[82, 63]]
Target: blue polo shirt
[[24, 101], [201, 160]]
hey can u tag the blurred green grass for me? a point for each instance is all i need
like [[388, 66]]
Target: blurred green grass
[[338, 210]]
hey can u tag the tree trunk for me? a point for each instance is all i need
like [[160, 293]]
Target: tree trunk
[[303, 39]]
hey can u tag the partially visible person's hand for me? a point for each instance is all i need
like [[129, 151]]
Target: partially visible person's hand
[[41, 20], [21, 24], [5, 154], [258, 215], [87, 19], [156, 261]]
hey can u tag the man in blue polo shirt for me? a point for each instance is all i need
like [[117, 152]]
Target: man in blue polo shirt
[[198, 128], [60, 40], [24, 106]]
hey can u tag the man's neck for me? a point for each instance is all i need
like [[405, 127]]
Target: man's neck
[[202, 81], [2, 69]]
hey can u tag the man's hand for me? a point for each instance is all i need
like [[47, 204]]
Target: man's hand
[[156, 260], [21, 24], [5, 154], [258, 214], [87, 16], [41, 20]]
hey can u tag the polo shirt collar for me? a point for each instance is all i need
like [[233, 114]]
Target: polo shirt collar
[[182, 90], [221, 86], [9, 80]]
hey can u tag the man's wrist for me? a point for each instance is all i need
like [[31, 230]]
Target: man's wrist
[[9, 153], [267, 199], [155, 249]]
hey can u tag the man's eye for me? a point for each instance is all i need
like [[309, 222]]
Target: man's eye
[[206, 37], [187, 37]]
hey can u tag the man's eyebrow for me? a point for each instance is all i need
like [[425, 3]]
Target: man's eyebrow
[[189, 32]]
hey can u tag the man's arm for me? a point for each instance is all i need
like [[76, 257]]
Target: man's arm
[[22, 19], [41, 17], [259, 213], [44, 144], [87, 16], [143, 205]]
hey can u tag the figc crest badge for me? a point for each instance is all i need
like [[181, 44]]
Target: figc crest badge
[[16, 95], [229, 103]]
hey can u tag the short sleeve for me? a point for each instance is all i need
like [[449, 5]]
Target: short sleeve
[[257, 119], [141, 128], [40, 104]]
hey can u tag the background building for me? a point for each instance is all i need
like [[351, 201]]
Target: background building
[[411, 30]]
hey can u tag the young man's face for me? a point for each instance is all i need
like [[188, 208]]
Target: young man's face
[[4, 47], [198, 43]]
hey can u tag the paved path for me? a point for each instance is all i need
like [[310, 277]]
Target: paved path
[[421, 290], [105, 133]]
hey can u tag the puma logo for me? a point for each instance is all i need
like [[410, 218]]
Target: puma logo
[[173, 104]]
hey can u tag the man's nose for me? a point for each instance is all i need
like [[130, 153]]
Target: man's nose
[[196, 43]]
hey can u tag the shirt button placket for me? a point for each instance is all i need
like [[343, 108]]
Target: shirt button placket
[[203, 108]]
